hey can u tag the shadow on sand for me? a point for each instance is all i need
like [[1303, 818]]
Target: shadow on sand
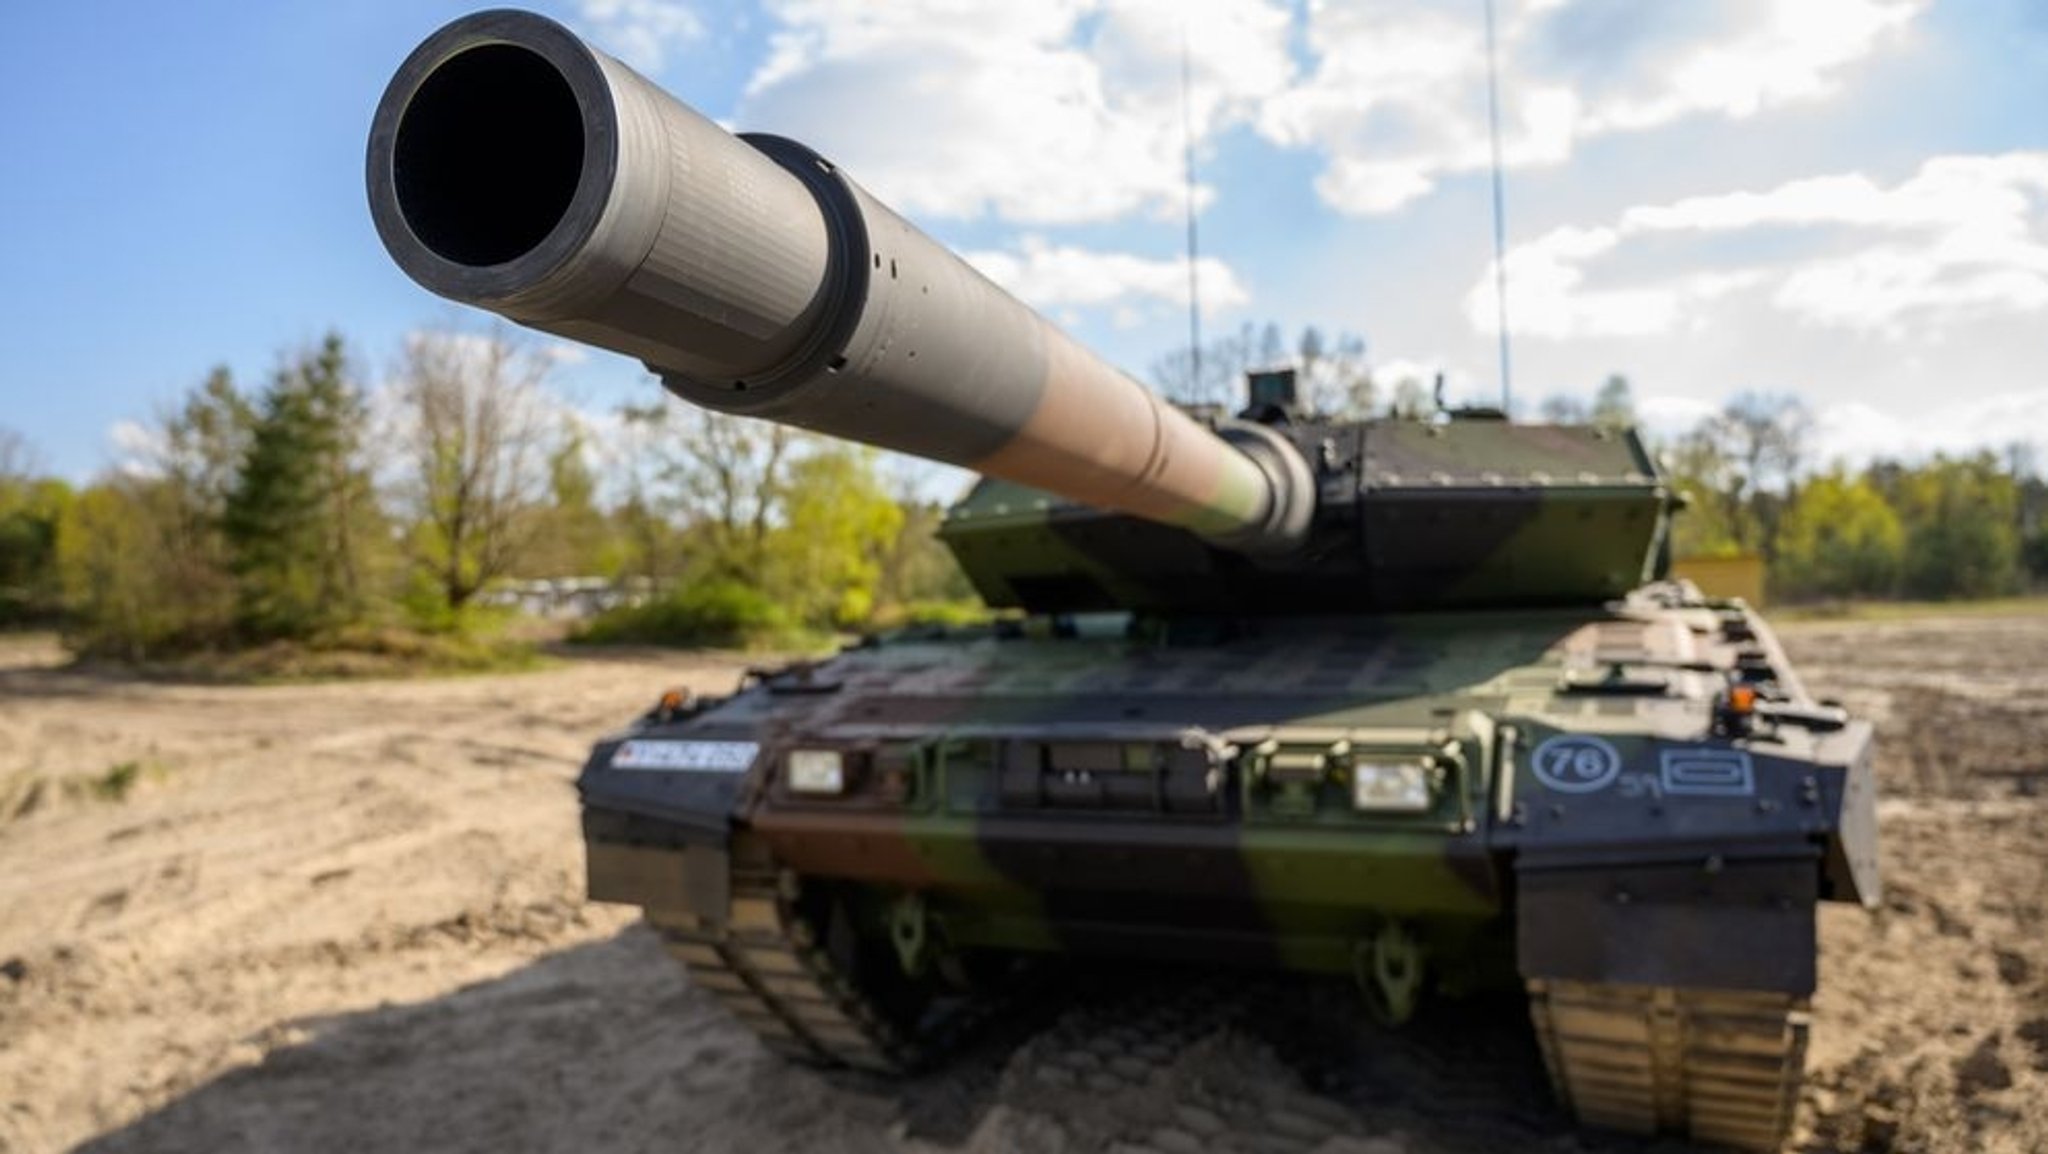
[[606, 1047], [602, 1047]]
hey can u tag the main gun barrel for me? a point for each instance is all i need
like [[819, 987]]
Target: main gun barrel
[[514, 168]]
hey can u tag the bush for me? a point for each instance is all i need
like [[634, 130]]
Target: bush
[[951, 614], [717, 613]]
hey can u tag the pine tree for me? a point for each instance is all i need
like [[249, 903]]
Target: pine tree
[[301, 518]]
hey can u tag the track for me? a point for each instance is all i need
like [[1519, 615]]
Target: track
[[787, 966], [1722, 1066], [767, 966], [1719, 1066]]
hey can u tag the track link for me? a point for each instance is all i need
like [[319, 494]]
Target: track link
[[1723, 1066], [765, 962], [794, 978]]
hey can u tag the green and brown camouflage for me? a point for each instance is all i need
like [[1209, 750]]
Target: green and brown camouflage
[[1404, 700]]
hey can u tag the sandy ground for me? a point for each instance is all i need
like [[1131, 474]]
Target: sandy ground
[[348, 917]]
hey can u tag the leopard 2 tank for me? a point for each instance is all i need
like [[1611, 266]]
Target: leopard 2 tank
[[1404, 700]]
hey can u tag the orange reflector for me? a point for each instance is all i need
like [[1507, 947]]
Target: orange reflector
[[1741, 699], [675, 699]]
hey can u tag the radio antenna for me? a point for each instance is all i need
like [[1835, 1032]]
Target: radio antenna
[[1187, 132], [1500, 227]]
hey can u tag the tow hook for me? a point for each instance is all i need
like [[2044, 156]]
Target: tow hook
[[910, 930], [1389, 972]]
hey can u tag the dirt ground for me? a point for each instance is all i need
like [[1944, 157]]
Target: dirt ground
[[348, 917]]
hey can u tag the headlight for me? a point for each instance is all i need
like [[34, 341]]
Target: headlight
[[816, 771], [1399, 788]]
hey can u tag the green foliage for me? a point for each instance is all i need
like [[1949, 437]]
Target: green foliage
[[570, 534], [824, 561], [1614, 406], [473, 436], [300, 521], [1944, 529], [1838, 539], [1707, 525], [107, 548], [919, 570], [1739, 467], [721, 613], [423, 605], [946, 614], [117, 781], [359, 650], [205, 442], [2034, 556], [31, 511], [1961, 531]]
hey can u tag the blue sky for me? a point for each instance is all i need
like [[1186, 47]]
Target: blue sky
[[1846, 199]]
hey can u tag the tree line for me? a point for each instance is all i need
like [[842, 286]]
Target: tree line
[[313, 506], [1950, 526]]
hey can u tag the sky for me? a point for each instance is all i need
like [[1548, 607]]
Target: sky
[[1846, 200]]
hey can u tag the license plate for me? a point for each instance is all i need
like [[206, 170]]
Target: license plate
[[704, 756]]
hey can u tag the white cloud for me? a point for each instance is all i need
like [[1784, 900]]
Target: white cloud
[[1964, 237], [139, 450], [641, 32], [562, 353], [1397, 97], [1060, 112], [1067, 111], [1666, 415], [1856, 433], [1048, 276]]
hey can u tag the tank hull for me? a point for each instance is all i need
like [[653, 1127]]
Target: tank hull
[[1590, 831]]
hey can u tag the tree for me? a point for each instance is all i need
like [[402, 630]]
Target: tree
[[1332, 376], [1614, 406], [104, 555], [803, 535], [917, 567], [301, 520], [723, 474], [201, 446], [1563, 409], [1838, 539], [837, 527], [1272, 347], [1413, 400], [2022, 464], [476, 435], [1217, 376], [1336, 379], [633, 458], [571, 533], [1961, 535], [31, 509], [1741, 466], [18, 461], [143, 557]]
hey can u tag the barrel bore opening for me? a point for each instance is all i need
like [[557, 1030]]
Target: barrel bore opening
[[488, 155]]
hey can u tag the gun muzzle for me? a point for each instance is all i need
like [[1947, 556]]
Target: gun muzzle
[[514, 168]]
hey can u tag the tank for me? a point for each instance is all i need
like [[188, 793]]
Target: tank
[[1408, 701]]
